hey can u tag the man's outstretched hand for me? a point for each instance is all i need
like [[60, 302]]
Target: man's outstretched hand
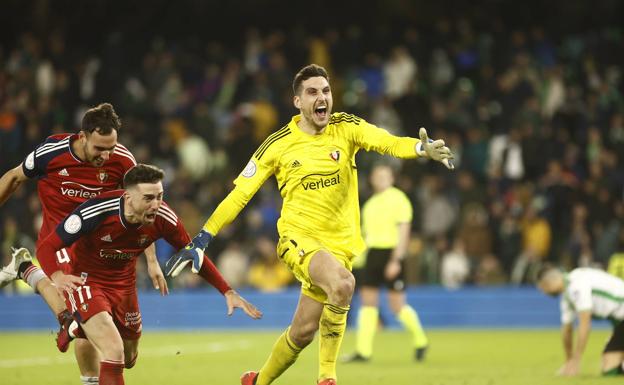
[[234, 300], [434, 149], [157, 277]]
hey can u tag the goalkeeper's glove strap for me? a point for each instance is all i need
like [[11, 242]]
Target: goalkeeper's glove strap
[[201, 240]]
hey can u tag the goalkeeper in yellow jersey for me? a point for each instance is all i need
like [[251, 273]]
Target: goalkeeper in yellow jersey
[[313, 160]]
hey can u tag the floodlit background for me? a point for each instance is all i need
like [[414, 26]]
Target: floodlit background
[[529, 96]]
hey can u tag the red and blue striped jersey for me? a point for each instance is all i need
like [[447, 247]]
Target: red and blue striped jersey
[[101, 244], [65, 181]]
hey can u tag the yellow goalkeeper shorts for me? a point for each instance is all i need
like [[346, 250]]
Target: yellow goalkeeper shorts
[[296, 251]]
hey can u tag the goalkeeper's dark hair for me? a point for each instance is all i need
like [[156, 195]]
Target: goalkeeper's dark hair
[[143, 173], [307, 72], [102, 119]]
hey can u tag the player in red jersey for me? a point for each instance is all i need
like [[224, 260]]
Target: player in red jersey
[[103, 238], [71, 168]]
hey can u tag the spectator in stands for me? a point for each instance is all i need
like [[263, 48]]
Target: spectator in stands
[[616, 262], [455, 268], [233, 263], [536, 238], [267, 273]]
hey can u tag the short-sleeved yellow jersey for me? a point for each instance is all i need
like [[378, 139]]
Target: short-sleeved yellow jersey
[[381, 216], [316, 177]]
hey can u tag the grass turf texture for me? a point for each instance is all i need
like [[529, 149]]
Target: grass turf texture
[[461, 357]]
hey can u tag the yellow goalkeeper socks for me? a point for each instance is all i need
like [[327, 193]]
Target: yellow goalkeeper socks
[[332, 327], [284, 354], [409, 319], [366, 328]]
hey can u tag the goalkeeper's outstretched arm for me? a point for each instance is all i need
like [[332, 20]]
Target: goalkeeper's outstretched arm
[[193, 252], [246, 185]]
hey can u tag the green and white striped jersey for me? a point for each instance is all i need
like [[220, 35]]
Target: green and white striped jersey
[[594, 290]]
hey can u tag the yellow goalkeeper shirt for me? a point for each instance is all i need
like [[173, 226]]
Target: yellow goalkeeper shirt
[[317, 179]]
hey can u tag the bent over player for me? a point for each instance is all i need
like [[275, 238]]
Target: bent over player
[[585, 294], [103, 238], [313, 160], [69, 169]]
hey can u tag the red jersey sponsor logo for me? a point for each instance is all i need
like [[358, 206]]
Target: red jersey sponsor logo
[[77, 190], [115, 254]]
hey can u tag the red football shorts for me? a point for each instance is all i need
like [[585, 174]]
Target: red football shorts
[[86, 301]]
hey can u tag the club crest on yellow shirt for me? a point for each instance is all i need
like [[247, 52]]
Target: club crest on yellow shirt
[[335, 155]]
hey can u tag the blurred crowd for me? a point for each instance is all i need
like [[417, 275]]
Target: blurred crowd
[[535, 119]]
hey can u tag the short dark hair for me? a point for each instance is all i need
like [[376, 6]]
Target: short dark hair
[[143, 173], [307, 72], [102, 119]]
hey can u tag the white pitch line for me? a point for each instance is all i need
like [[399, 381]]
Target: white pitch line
[[162, 351], [35, 361]]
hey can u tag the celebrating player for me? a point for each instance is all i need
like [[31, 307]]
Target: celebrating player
[[70, 168], [107, 234], [313, 160], [386, 222], [587, 293]]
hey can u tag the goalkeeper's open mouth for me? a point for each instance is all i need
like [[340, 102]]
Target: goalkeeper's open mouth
[[150, 217], [321, 112]]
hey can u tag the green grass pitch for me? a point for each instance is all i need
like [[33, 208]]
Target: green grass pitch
[[457, 357]]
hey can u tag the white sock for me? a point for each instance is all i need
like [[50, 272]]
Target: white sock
[[32, 276], [86, 380]]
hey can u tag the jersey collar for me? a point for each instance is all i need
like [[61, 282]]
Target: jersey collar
[[294, 126], [72, 139]]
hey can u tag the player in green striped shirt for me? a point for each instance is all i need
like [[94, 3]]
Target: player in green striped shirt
[[587, 293]]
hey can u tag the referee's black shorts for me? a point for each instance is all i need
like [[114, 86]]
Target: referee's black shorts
[[616, 342], [373, 271]]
